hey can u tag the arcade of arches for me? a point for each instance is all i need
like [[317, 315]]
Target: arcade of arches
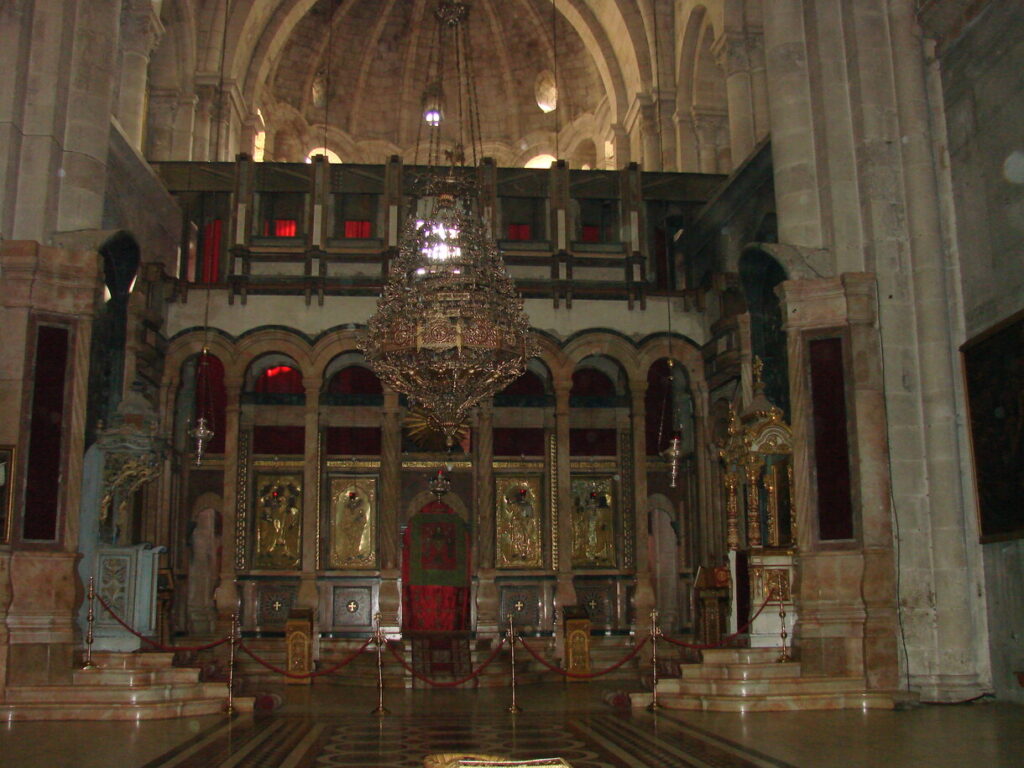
[[795, 223]]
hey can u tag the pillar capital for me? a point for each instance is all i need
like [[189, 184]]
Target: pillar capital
[[141, 28]]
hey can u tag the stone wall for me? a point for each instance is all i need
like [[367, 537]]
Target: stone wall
[[983, 93]]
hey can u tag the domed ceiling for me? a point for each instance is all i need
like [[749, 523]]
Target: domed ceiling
[[361, 68]]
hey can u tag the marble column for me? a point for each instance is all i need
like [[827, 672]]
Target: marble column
[[308, 596], [389, 501], [141, 30], [487, 612], [845, 594], [644, 600], [39, 587]]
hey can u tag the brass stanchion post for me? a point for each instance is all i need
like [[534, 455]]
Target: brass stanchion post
[[514, 708], [231, 663], [379, 639], [784, 655], [655, 634], [90, 620]]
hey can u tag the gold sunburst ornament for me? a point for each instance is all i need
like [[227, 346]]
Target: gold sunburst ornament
[[449, 329]]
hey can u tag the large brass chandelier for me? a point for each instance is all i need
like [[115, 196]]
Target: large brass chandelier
[[450, 328]]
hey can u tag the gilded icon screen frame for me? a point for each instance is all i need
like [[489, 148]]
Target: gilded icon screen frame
[[511, 540], [291, 532], [365, 557]]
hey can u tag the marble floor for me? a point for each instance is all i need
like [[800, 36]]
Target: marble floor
[[330, 726]]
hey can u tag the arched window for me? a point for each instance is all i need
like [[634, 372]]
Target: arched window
[[330, 154], [540, 161]]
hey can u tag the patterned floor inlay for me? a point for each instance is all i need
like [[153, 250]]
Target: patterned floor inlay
[[584, 741]]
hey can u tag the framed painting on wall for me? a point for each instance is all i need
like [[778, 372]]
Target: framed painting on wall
[[994, 375]]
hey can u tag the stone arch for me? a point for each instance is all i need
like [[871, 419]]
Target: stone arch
[[328, 346], [274, 340], [760, 275], [603, 344], [701, 103]]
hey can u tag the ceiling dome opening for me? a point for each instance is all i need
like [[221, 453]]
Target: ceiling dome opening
[[546, 91]]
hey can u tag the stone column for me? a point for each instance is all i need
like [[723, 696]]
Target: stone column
[[797, 187], [233, 540], [487, 613], [958, 612], [731, 51], [206, 104], [565, 592], [84, 120], [308, 597], [141, 30], [708, 127], [170, 124], [688, 159], [388, 503], [648, 119], [758, 83]]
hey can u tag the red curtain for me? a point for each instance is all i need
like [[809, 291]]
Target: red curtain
[[280, 228], [519, 232], [433, 607], [357, 229], [280, 380], [591, 234], [211, 252]]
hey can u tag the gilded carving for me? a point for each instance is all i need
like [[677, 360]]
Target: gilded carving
[[519, 522], [242, 500], [593, 522], [776, 580], [353, 515], [278, 520]]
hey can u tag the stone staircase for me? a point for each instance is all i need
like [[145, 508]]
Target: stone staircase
[[123, 686], [752, 680]]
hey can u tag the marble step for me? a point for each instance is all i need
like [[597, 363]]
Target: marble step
[[135, 677], [771, 703], [76, 694], [739, 655], [766, 687], [758, 671], [148, 710], [138, 660]]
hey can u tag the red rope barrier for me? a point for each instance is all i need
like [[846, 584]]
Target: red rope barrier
[[154, 643], [583, 675], [727, 638], [475, 673], [303, 675]]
